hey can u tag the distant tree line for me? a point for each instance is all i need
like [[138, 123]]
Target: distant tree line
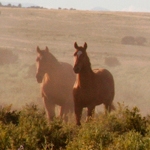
[[66, 8], [18, 6], [10, 5], [36, 7]]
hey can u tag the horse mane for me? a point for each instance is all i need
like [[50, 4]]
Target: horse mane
[[53, 59], [88, 63]]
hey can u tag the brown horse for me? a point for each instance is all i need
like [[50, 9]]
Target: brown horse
[[92, 87], [57, 80]]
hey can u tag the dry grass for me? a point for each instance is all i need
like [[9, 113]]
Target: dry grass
[[22, 30]]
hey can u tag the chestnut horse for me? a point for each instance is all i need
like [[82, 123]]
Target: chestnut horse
[[57, 80], [92, 87]]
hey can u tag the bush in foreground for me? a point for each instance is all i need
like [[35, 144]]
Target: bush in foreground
[[124, 129], [33, 132]]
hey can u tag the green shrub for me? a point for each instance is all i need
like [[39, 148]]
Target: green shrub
[[134, 121], [33, 132], [125, 120], [104, 131], [131, 141], [7, 116], [91, 136], [124, 129]]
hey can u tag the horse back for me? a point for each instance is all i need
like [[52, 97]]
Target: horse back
[[103, 74], [68, 76], [105, 83]]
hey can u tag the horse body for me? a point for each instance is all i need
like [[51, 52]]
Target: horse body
[[57, 80], [57, 84], [100, 86], [92, 87]]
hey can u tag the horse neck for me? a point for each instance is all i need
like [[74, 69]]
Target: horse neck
[[86, 74], [86, 69], [54, 70]]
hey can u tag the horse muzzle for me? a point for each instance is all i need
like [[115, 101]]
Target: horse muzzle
[[76, 69], [39, 78]]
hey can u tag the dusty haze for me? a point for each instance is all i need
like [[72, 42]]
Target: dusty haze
[[22, 30]]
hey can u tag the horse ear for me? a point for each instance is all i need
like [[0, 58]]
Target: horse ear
[[47, 50], [85, 45], [38, 49], [76, 45]]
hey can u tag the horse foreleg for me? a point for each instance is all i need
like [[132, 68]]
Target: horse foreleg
[[90, 113], [63, 113], [50, 109], [78, 113]]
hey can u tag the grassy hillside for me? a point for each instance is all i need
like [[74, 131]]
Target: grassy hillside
[[22, 30]]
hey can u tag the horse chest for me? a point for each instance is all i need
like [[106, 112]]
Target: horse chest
[[84, 95], [90, 94], [56, 91]]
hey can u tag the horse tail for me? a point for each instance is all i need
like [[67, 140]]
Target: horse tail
[[113, 107]]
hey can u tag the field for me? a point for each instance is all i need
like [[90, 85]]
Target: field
[[22, 30]]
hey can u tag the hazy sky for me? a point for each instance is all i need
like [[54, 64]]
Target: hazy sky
[[114, 5]]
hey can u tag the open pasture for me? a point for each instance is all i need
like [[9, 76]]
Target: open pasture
[[22, 30]]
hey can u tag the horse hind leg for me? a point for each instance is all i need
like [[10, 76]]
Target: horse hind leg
[[90, 113], [113, 107], [109, 108]]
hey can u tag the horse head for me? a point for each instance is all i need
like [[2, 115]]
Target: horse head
[[79, 56], [41, 61]]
